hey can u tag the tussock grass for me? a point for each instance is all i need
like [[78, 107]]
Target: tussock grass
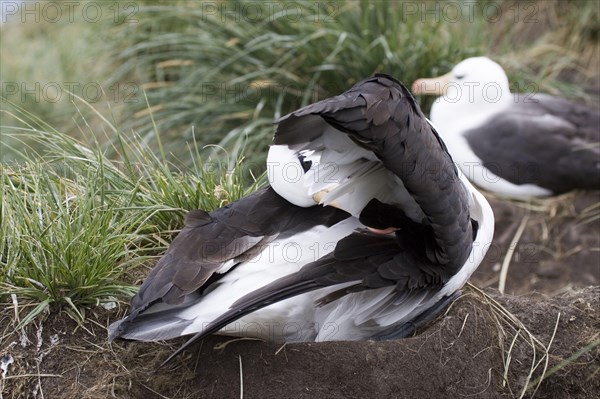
[[219, 72], [194, 65], [74, 222], [196, 62], [558, 47]]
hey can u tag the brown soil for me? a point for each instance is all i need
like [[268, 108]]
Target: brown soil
[[489, 345], [559, 249]]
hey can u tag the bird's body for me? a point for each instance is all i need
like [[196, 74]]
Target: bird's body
[[519, 145], [367, 225]]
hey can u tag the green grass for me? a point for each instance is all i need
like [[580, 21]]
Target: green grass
[[227, 73], [42, 61], [230, 78], [74, 223], [217, 73]]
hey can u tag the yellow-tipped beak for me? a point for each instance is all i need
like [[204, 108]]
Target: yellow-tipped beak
[[319, 197], [432, 86]]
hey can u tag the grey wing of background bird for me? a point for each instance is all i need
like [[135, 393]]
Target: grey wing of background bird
[[542, 140]]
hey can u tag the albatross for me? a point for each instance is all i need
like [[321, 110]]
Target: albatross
[[366, 231], [518, 145]]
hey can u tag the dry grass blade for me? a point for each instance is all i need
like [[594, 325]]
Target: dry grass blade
[[594, 342], [590, 214], [505, 323], [546, 359], [241, 378], [42, 375], [222, 345], [519, 344], [510, 252]]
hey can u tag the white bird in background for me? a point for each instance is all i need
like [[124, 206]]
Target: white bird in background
[[518, 145], [368, 230]]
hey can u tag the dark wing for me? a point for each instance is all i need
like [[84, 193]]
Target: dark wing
[[586, 120], [378, 114], [542, 140], [212, 243], [381, 115]]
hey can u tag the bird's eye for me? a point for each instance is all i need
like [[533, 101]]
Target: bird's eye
[[306, 164], [459, 77]]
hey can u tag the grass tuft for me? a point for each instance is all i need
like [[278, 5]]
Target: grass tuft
[[74, 222]]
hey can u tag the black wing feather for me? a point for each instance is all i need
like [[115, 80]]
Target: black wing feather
[[208, 240]]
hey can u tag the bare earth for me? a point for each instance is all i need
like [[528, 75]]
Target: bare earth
[[489, 345]]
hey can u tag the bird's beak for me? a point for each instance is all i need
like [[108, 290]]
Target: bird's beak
[[318, 196], [435, 86]]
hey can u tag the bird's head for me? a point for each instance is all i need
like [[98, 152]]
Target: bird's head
[[476, 80]]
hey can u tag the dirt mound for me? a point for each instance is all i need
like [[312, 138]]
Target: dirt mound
[[475, 351]]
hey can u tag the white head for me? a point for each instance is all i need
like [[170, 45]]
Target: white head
[[286, 176], [476, 86]]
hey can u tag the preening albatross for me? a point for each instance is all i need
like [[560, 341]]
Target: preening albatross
[[367, 229], [519, 145]]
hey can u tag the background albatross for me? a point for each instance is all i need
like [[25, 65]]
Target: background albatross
[[519, 145], [367, 229]]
